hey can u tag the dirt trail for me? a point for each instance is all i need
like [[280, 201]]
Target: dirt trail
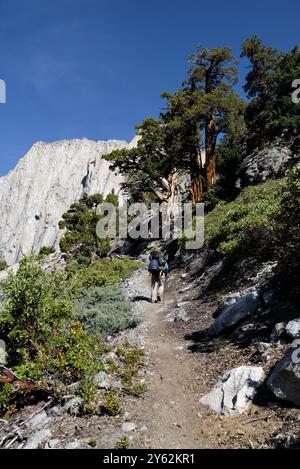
[[170, 407]]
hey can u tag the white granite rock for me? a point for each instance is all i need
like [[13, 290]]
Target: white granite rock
[[42, 187]]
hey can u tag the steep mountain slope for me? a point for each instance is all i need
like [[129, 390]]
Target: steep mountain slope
[[42, 187]]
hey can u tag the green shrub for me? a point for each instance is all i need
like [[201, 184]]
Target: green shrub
[[48, 343], [122, 444], [46, 251], [288, 229], [103, 272], [3, 264], [44, 341], [246, 226], [105, 310]]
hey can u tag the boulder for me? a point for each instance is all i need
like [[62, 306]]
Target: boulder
[[39, 420], [74, 406], [278, 331], [235, 391], [234, 314], [55, 411], [263, 353], [77, 444], [265, 164], [284, 381], [54, 444], [293, 329], [37, 439], [244, 332], [179, 315], [226, 302]]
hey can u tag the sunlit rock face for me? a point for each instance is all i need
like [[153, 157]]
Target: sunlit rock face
[[44, 184]]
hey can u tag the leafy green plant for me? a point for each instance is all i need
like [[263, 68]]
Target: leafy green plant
[[122, 444], [113, 405], [44, 340], [288, 230], [46, 251], [245, 227], [105, 310], [102, 272], [3, 263]]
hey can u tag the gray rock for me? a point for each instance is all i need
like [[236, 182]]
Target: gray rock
[[243, 331], [102, 380], [55, 412], [74, 445], [74, 406], [39, 420], [53, 444], [278, 331], [284, 381], [37, 439], [182, 303], [234, 314], [42, 187], [293, 328], [263, 353], [117, 385], [3, 353], [227, 301], [265, 164], [128, 427], [234, 392], [179, 315]]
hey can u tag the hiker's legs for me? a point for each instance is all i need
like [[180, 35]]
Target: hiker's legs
[[161, 287], [154, 286]]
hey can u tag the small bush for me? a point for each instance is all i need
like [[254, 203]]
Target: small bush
[[246, 226], [44, 341], [122, 444], [46, 251], [3, 264], [105, 310], [48, 343], [103, 272], [288, 231]]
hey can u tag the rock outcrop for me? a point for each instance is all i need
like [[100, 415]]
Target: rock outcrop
[[42, 187], [293, 329], [284, 381], [234, 313], [234, 392], [265, 164]]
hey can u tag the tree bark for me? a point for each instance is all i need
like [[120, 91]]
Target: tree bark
[[196, 169], [210, 150]]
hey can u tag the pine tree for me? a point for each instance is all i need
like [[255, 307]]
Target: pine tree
[[261, 89], [214, 73]]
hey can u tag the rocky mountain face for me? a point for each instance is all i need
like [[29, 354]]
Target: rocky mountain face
[[42, 187]]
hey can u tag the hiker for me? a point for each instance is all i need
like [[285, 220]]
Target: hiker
[[158, 267]]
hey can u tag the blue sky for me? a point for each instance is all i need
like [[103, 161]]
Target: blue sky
[[95, 68]]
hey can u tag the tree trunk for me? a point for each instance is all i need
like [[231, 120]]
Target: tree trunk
[[210, 150], [196, 176]]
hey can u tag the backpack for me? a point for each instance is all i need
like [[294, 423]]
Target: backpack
[[156, 263]]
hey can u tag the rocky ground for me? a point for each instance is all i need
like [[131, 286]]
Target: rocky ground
[[183, 363]]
